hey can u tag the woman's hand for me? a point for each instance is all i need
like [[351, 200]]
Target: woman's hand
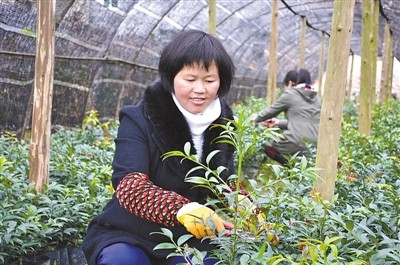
[[270, 123], [201, 221], [228, 225]]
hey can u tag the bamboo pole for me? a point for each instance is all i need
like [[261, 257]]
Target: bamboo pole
[[350, 78], [375, 33], [39, 159], [391, 59], [302, 41], [368, 57], [273, 49], [332, 105], [385, 65], [321, 64], [212, 17]]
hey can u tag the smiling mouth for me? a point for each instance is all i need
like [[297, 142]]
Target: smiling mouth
[[198, 99]]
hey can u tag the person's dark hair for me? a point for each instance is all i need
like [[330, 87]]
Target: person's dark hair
[[304, 77], [190, 47], [290, 76]]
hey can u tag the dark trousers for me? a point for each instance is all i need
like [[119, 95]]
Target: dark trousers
[[125, 254], [275, 155]]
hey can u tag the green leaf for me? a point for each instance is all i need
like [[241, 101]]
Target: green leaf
[[193, 169], [350, 225], [335, 251], [276, 260], [329, 241], [337, 218], [261, 251], [11, 225], [172, 154], [244, 259], [221, 169], [211, 155], [213, 180], [165, 246], [183, 239], [313, 254], [276, 169], [187, 148], [198, 180], [363, 225]]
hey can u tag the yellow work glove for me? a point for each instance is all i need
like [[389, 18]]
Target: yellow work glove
[[199, 220]]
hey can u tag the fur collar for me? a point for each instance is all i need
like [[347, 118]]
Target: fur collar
[[173, 131]]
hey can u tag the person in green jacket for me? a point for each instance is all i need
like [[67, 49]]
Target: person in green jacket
[[301, 105]]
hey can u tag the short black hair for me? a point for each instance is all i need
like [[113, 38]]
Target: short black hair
[[304, 77], [290, 76], [189, 48]]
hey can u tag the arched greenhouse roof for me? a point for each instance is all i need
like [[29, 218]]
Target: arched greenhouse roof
[[107, 50]]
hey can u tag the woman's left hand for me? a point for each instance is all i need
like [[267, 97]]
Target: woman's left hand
[[228, 225]]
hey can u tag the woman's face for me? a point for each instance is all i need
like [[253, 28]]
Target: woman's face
[[195, 88]]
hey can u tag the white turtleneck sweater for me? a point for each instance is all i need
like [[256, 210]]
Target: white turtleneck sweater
[[199, 122]]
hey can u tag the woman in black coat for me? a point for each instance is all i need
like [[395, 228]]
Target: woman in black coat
[[151, 193]]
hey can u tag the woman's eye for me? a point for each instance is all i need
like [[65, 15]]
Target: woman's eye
[[210, 81]]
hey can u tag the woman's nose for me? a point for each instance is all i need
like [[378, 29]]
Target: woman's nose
[[199, 87]]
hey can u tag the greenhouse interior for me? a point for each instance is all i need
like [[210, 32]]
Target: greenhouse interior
[[72, 70]]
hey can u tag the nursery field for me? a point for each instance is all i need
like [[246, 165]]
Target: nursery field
[[361, 225]]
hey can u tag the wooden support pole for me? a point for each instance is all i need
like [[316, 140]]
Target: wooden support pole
[[375, 33], [212, 17], [302, 41], [385, 65], [273, 49], [332, 104], [350, 78], [39, 159], [391, 60], [321, 64], [368, 57]]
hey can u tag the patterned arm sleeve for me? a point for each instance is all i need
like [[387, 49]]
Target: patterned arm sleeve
[[137, 194], [242, 191]]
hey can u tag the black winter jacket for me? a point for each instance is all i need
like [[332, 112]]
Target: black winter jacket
[[148, 130]]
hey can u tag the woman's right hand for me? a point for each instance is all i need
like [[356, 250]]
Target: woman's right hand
[[200, 220], [270, 122]]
